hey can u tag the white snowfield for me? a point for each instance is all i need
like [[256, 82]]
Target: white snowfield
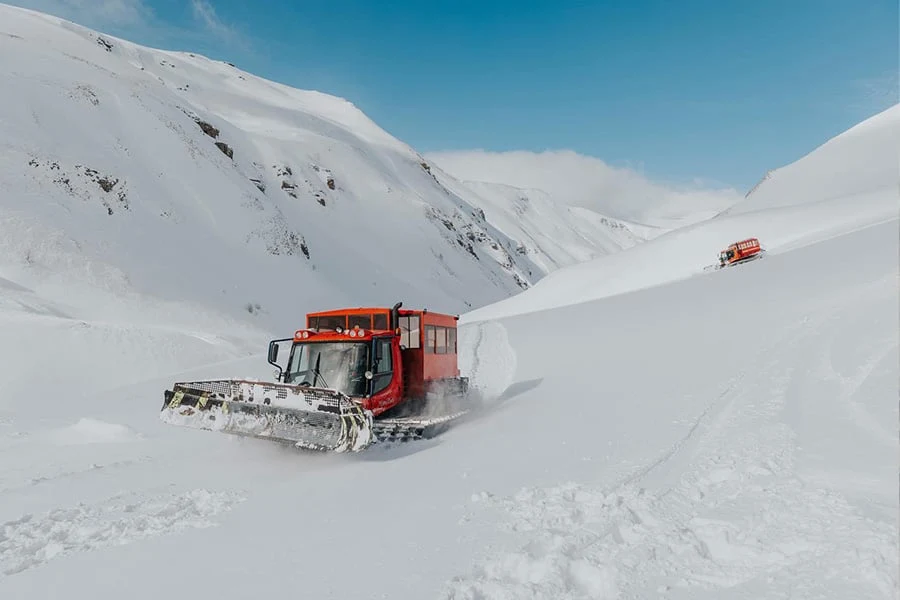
[[651, 430]]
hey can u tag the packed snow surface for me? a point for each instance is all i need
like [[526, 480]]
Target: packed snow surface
[[650, 430]]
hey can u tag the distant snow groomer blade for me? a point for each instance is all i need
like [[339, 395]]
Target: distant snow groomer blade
[[312, 418]]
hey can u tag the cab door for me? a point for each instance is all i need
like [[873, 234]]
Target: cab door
[[383, 387]]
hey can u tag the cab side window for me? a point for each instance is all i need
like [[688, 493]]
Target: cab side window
[[383, 370], [383, 356]]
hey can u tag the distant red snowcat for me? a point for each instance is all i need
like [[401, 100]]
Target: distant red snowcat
[[740, 252], [353, 377]]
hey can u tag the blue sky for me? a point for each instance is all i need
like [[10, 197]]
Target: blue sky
[[699, 89]]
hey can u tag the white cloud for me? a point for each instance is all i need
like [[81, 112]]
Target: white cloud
[[205, 13], [585, 181], [93, 13]]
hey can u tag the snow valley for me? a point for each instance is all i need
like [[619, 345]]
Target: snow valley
[[651, 429]]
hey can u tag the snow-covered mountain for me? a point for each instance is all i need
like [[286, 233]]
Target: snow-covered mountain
[[549, 233], [573, 179], [243, 191]]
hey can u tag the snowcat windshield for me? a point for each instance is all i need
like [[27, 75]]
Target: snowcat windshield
[[339, 366]]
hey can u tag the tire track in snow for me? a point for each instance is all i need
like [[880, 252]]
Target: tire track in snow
[[736, 516], [32, 540]]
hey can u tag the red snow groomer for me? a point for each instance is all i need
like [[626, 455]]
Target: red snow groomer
[[353, 377], [740, 252]]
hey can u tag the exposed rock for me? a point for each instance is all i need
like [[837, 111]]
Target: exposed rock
[[330, 183], [209, 130], [106, 184], [226, 149], [106, 44]]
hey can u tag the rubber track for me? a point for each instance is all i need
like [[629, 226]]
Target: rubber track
[[404, 429]]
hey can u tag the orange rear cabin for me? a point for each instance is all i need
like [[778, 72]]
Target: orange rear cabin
[[428, 344]]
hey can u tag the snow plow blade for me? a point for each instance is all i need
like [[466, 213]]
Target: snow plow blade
[[311, 418]]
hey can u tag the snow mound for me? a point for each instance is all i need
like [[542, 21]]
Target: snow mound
[[94, 431], [487, 359]]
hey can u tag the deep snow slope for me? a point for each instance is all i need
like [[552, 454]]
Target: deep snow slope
[[653, 444], [170, 174], [848, 183]]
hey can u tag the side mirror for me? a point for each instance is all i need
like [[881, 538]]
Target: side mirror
[[368, 375], [273, 351]]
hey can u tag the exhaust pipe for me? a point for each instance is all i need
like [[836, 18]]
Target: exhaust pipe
[[395, 316]]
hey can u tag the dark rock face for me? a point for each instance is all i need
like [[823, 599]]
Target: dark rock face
[[226, 149], [208, 129]]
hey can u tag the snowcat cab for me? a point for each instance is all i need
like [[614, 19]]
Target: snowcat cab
[[740, 252], [352, 376]]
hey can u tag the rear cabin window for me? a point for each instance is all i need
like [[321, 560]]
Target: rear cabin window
[[440, 343], [440, 340], [409, 331]]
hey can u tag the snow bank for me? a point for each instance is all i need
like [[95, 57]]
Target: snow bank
[[93, 431]]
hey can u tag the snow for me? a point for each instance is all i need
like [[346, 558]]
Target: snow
[[649, 429], [783, 212]]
